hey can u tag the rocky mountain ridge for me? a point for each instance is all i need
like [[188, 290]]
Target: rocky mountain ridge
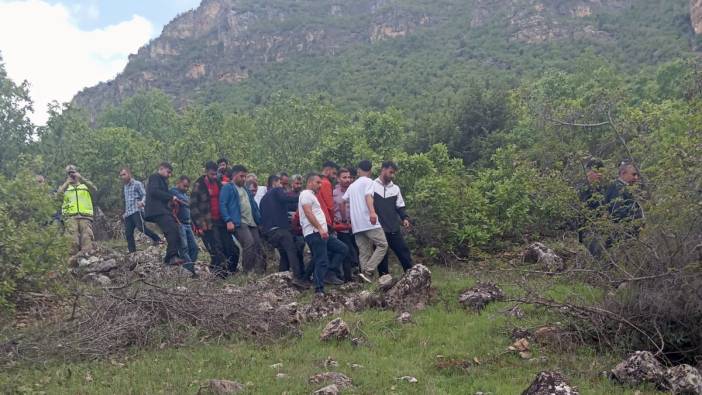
[[223, 43]]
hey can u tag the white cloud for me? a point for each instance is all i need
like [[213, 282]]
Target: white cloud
[[42, 44]]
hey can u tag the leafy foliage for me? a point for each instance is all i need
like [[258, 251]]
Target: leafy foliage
[[32, 251]]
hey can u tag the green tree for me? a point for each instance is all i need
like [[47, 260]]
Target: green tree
[[16, 129]]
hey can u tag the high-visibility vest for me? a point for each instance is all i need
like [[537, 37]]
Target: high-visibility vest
[[77, 201]]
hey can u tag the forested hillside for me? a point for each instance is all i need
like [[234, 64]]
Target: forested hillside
[[375, 54], [492, 109]]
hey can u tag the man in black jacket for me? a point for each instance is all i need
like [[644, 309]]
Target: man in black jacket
[[158, 210], [277, 230], [390, 207]]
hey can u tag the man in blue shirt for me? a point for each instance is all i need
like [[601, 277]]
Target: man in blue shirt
[[188, 247], [134, 199], [240, 212]]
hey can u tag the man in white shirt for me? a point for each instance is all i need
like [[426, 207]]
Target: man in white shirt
[[327, 252], [372, 245]]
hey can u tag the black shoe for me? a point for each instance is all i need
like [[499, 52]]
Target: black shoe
[[333, 280], [301, 283]]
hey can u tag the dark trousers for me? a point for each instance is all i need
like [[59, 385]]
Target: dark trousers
[[171, 231], [224, 254], [396, 242], [283, 241], [351, 259], [132, 223], [322, 250], [251, 248]]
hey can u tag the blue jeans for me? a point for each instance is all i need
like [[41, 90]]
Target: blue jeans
[[326, 256], [188, 245]]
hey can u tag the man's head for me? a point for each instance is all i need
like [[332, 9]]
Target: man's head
[[238, 175], [252, 182], [40, 179], [165, 169], [313, 182], [273, 181], [364, 168], [222, 164], [297, 183], [71, 172], [344, 177], [183, 184], [125, 175], [329, 170], [628, 173], [211, 170], [284, 180], [593, 169], [387, 173]]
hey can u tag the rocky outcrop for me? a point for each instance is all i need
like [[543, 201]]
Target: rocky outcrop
[[224, 41], [540, 21], [640, 367], [480, 295], [545, 257]]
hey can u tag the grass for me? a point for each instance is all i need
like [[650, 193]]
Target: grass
[[389, 350]]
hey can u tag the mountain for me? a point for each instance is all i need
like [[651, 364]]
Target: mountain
[[389, 52]]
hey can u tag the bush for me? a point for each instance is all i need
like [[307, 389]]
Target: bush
[[32, 250], [455, 212]]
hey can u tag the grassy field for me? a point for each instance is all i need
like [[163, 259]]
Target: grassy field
[[390, 350]]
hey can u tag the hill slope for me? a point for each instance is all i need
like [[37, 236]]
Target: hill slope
[[388, 52]]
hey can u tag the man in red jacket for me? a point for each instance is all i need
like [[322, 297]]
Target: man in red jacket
[[326, 193]]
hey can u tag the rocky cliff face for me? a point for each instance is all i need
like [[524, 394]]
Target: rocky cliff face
[[224, 43]]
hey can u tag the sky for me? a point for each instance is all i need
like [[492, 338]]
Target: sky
[[63, 46]]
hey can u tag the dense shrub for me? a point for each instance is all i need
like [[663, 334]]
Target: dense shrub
[[32, 250], [456, 211]]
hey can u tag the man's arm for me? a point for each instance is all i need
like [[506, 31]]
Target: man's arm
[[307, 209], [142, 195], [159, 194], [88, 183], [371, 209], [63, 187]]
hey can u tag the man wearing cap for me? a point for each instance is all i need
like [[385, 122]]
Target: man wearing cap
[[77, 209]]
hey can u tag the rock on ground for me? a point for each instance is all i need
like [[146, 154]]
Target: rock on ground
[[683, 380], [340, 380], [99, 280], [404, 318], [335, 329], [221, 387], [550, 383], [385, 282], [638, 368], [412, 289], [539, 253], [480, 295], [328, 390]]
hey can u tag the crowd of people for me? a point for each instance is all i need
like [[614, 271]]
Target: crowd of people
[[346, 219]]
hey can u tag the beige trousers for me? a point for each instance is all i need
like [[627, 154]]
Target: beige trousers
[[81, 231], [372, 247]]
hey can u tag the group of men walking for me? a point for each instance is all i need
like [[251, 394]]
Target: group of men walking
[[346, 219]]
